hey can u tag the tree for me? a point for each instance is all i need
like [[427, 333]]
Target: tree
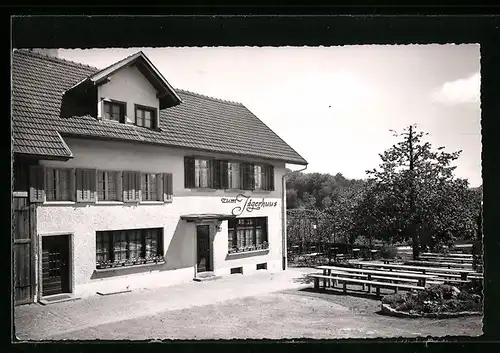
[[412, 179]]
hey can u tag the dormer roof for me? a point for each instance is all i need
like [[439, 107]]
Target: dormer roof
[[167, 96]]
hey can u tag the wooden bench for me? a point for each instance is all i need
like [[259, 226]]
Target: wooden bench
[[421, 278], [446, 259], [375, 284], [422, 269], [439, 264]]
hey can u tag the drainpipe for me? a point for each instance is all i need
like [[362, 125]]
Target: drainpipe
[[283, 215]]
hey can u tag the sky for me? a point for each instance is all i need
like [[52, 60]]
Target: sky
[[336, 105]]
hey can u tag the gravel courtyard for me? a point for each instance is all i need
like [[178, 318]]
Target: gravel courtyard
[[293, 312]]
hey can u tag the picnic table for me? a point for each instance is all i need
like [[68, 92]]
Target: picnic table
[[463, 272]]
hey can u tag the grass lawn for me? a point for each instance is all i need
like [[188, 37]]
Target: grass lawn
[[287, 314]]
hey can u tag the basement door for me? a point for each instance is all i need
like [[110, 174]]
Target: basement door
[[204, 258], [55, 265]]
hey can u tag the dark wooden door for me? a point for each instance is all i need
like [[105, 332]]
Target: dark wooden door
[[204, 260], [55, 264], [24, 267]]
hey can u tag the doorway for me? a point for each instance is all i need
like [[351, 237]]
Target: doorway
[[203, 258], [55, 265]]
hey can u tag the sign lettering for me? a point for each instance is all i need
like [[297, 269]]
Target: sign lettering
[[246, 203]]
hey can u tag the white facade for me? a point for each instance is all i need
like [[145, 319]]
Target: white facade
[[80, 221]]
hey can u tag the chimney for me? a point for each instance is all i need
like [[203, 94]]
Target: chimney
[[48, 52]]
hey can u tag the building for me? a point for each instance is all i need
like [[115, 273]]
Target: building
[[123, 182]]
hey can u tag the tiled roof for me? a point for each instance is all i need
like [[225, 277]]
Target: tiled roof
[[199, 123]]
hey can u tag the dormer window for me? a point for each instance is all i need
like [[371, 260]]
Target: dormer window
[[145, 116], [114, 111]]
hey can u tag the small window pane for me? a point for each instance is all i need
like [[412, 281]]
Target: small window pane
[[120, 249]]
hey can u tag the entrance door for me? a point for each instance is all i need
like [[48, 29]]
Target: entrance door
[[55, 264], [203, 248]]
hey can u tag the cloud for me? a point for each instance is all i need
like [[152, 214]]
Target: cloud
[[465, 90]]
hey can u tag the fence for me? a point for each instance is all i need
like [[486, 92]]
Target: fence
[[23, 244]]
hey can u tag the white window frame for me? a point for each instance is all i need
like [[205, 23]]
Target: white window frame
[[106, 190], [197, 174], [145, 189], [231, 177], [57, 188]]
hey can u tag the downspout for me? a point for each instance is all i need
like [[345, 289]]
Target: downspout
[[283, 215]]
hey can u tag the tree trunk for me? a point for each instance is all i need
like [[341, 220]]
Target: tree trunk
[[414, 234]]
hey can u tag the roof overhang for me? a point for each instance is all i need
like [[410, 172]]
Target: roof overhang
[[166, 93], [199, 217]]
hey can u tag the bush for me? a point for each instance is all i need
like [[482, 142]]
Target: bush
[[473, 287], [435, 299], [389, 252]]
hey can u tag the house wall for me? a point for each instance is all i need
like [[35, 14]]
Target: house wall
[[83, 220], [130, 86]]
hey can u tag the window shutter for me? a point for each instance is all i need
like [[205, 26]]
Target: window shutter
[[248, 176], [137, 186], [189, 172], [167, 187], [159, 187], [72, 184], [79, 185], [128, 186], [216, 173], [224, 179], [85, 185], [36, 178], [251, 177], [119, 185], [270, 176], [92, 184]]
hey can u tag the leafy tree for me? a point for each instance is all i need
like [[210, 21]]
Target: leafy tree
[[421, 199]]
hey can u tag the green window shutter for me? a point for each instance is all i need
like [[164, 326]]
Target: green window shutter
[[36, 181], [189, 171], [167, 187]]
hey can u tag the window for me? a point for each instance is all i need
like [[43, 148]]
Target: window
[[151, 187], [114, 111], [58, 184], [234, 177], [264, 177], [220, 174], [246, 234], [145, 116], [259, 177], [107, 185], [201, 173], [128, 247]]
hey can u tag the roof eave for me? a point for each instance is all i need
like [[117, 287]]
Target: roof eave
[[44, 156]]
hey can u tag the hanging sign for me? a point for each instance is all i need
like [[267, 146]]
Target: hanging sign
[[246, 203]]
